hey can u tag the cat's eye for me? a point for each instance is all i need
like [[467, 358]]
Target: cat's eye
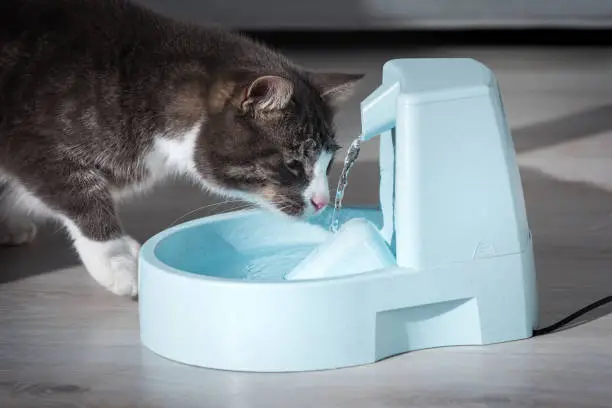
[[309, 147], [295, 166]]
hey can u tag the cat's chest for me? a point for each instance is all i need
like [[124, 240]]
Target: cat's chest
[[167, 157]]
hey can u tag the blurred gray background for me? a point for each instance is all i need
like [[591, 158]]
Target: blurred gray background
[[389, 14]]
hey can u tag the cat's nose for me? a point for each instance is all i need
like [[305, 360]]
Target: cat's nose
[[319, 202]]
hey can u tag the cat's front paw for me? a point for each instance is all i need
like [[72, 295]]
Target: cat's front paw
[[16, 232], [113, 264], [124, 269], [124, 275]]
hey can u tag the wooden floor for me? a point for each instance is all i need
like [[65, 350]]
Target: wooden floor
[[64, 342]]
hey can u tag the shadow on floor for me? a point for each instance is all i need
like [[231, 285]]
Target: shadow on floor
[[575, 126]]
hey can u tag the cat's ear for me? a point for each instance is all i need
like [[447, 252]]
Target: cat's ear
[[335, 88], [268, 93]]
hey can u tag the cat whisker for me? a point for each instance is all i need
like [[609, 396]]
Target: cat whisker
[[240, 208], [204, 207]]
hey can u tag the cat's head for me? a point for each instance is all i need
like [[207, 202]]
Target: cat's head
[[274, 141]]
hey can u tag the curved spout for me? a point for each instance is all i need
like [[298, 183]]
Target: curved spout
[[378, 111]]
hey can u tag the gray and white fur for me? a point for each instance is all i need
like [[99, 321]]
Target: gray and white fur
[[103, 98]]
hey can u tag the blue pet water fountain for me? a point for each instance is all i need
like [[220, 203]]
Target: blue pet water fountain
[[446, 260]]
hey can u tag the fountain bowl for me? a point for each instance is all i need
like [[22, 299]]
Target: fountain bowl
[[213, 294]]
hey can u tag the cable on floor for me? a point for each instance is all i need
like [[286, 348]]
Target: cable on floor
[[572, 317]]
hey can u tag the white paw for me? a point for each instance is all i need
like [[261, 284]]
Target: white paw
[[124, 274], [17, 232], [113, 264]]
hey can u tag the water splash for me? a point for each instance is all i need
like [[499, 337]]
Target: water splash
[[349, 160]]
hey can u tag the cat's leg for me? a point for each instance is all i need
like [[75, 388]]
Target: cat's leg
[[110, 256], [112, 261], [16, 228], [86, 208]]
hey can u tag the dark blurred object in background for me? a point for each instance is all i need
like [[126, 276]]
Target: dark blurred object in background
[[390, 14], [403, 22]]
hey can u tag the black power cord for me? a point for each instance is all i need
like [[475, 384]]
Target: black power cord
[[573, 316]]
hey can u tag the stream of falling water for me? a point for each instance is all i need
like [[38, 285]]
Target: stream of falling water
[[349, 160]]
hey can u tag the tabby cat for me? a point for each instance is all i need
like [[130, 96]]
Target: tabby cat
[[102, 98]]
